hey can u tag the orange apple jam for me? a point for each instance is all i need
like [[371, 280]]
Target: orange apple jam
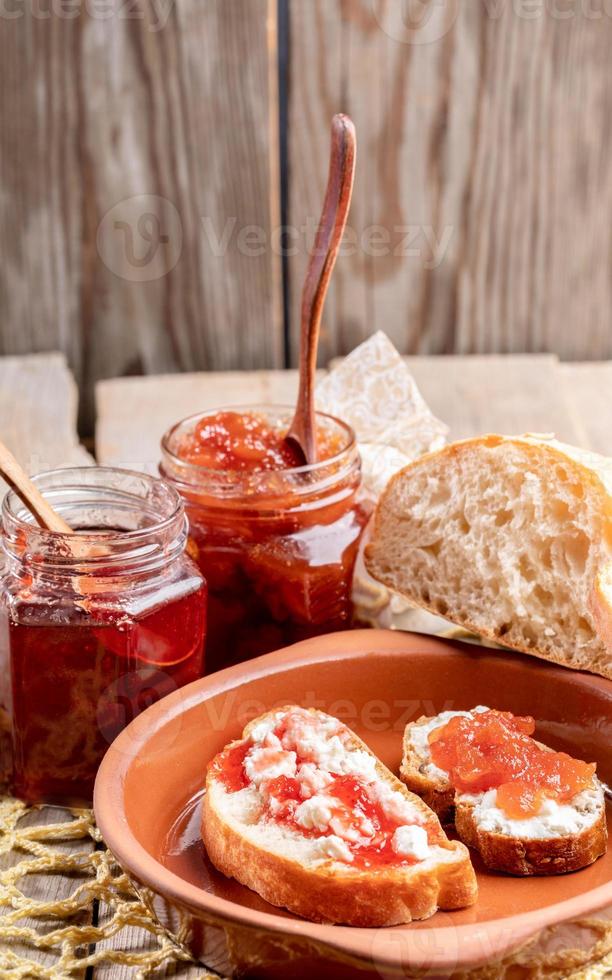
[[276, 541], [246, 441], [494, 749]]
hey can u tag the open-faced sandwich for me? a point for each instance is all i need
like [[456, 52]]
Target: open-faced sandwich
[[525, 808], [299, 810]]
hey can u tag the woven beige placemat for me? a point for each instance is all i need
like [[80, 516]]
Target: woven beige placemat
[[55, 937], [50, 938]]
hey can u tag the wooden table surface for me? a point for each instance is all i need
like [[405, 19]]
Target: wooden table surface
[[511, 394]]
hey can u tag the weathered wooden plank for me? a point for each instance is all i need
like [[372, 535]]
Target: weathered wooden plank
[[506, 393], [473, 394], [480, 220], [38, 411], [139, 172], [510, 394], [133, 413], [588, 389]]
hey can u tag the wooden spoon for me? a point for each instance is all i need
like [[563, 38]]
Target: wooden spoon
[[20, 482], [302, 433]]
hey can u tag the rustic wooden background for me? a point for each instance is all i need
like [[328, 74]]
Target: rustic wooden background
[[151, 149]]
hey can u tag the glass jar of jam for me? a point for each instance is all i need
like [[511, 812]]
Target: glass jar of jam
[[276, 541], [94, 626]]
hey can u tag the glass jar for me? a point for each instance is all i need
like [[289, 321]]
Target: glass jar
[[277, 548], [94, 626]]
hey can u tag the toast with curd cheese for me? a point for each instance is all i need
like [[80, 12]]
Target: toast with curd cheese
[[559, 837], [301, 811]]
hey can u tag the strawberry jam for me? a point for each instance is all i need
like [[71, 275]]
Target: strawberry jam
[[277, 544], [494, 749], [228, 766]]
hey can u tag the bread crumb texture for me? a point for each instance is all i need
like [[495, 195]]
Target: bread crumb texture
[[507, 537]]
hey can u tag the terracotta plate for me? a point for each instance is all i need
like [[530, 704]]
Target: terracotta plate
[[148, 794]]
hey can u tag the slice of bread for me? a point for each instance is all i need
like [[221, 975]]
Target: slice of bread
[[508, 537], [564, 837], [308, 857]]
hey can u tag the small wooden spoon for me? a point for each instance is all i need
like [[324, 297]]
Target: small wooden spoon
[[20, 482], [302, 433]]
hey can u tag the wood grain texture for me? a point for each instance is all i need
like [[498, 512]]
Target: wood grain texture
[[132, 144], [134, 413], [38, 412], [484, 185], [510, 394], [588, 389]]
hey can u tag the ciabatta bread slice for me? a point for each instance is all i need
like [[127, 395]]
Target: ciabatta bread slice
[[300, 811], [562, 837], [507, 537]]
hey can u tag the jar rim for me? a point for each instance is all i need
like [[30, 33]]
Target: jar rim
[[308, 469], [12, 500]]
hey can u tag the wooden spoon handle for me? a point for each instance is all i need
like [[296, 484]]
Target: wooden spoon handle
[[20, 482], [320, 267]]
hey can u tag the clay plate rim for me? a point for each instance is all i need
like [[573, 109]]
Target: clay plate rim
[[497, 937]]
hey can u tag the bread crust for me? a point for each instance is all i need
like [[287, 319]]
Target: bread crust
[[601, 605], [522, 856], [328, 892], [437, 793], [592, 470]]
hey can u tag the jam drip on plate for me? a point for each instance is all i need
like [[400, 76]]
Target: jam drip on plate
[[495, 750]]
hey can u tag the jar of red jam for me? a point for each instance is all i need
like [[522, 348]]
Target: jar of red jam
[[94, 626], [276, 541]]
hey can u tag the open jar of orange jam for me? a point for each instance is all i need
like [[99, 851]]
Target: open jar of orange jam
[[277, 541], [94, 626]]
